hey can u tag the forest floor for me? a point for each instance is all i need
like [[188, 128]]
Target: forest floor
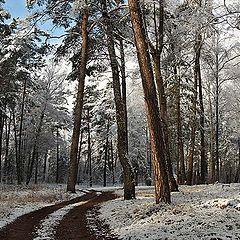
[[206, 212], [201, 212], [66, 220]]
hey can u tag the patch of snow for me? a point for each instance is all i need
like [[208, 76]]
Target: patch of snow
[[11, 213], [16, 201], [223, 203], [196, 212]]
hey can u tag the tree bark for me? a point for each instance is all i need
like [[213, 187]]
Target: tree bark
[[128, 175], [212, 140], [203, 160], [164, 118], [105, 165], [1, 141], [156, 56], [36, 168], [72, 172], [181, 172], [194, 114], [20, 159], [89, 151], [217, 172], [112, 163], [7, 163], [57, 158], [237, 174], [124, 86], [79, 157], [148, 158], [45, 166], [106, 157], [16, 148], [35, 147], [162, 190]]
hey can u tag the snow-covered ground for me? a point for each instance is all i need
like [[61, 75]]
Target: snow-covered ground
[[16, 200], [196, 212]]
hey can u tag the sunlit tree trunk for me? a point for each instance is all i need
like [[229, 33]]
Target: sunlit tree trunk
[[162, 190], [72, 172], [156, 56], [164, 118]]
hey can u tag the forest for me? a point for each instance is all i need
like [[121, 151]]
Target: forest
[[110, 92]]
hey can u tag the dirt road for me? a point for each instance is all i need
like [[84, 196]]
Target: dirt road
[[72, 226]]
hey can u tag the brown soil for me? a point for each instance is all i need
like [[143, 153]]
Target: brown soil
[[73, 225]]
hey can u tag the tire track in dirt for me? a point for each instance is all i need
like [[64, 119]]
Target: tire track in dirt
[[75, 226], [24, 227]]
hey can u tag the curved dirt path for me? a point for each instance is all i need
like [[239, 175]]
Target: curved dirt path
[[73, 225]]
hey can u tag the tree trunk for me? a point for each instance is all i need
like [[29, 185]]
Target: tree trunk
[[79, 157], [1, 141], [36, 168], [156, 56], [106, 158], [162, 190], [149, 159], [124, 87], [217, 176], [237, 175], [212, 140], [72, 172], [89, 151], [203, 160], [128, 175], [20, 159], [7, 163], [57, 163], [164, 118], [45, 166], [193, 117], [15, 141], [105, 165], [181, 173], [35, 147], [113, 163]]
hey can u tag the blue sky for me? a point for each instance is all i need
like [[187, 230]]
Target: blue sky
[[16, 8]]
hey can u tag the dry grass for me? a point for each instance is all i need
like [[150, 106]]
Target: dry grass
[[32, 194]]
